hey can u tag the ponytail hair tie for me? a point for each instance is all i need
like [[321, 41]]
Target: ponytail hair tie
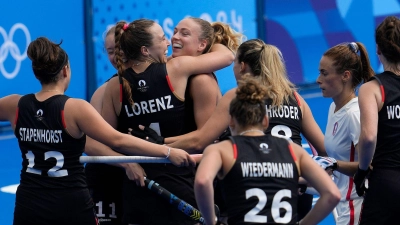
[[125, 27], [353, 47]]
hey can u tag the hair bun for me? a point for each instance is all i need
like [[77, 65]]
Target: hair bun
[[250, 90]]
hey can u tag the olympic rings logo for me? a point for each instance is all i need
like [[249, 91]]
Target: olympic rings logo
[[10, 47]]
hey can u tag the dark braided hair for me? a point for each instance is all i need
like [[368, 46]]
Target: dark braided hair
[[129, 38]]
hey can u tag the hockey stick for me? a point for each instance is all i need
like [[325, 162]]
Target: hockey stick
[[130, 159], [122, 159], [181, 205]]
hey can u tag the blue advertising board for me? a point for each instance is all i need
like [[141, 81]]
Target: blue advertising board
[[23, 21], [241, 17], [305, 29]]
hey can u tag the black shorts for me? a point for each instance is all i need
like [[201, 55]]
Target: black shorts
[[381, 201], [143, 206], [304, 205], [105, 185], [54, 206], [219, 198]]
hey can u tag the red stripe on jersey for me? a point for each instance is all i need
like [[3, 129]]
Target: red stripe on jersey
[[351, 206], [352, 153], [16, 116], [297, 98], [382, 92], [120, 92], [63, 119], [234, 151], [292, 153], [169, 84]]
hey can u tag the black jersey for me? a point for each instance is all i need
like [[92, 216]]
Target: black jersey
[[261, 187], [50, 155], [155, 106], [155, 103], [111, 77], [387, 152], [285, 120], [190, 121]]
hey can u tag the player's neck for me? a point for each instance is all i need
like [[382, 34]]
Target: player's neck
[[253, 131]]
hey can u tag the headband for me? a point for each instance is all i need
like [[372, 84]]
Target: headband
[[125, 27], [62, 65]]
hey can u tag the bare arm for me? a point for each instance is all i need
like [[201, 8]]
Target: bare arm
[[370, 102], [8, 108], [321, 181], [203, 187], [94, 147], [347, 168], [219, 57], [310, 129], [88, 121], [111, 104], [196, 141], [97, 98], [133, 170], [205, 93]]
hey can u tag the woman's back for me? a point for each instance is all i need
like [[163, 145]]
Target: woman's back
[[264, 173], [47, 146], [285, 120]]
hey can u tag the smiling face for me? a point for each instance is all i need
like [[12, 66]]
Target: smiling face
[[159, 49], [330, 82], [110, 49], [185, 40]]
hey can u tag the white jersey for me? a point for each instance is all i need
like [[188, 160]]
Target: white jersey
[[341, 137]]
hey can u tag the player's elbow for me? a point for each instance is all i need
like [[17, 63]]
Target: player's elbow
[[229, 59], [197, 145], [333, 196], [117, 143], [367, 136], [201, 183]]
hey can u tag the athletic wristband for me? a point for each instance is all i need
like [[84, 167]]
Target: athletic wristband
[[169, 152]]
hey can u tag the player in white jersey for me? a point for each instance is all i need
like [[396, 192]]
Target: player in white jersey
[[342, 68]]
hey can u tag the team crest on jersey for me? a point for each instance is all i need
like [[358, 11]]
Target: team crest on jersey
[[264, 148], [142, 86], [39, 115], [335, 126]]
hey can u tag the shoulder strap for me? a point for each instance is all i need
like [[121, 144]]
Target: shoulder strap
[[234, 145]]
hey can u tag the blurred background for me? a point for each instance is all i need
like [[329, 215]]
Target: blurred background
[[302, 29]]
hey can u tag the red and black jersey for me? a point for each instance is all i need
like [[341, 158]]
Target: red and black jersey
[[155, 103], [285, 120], [262, 186], [155, 106], [50, 155], [387, 152]]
